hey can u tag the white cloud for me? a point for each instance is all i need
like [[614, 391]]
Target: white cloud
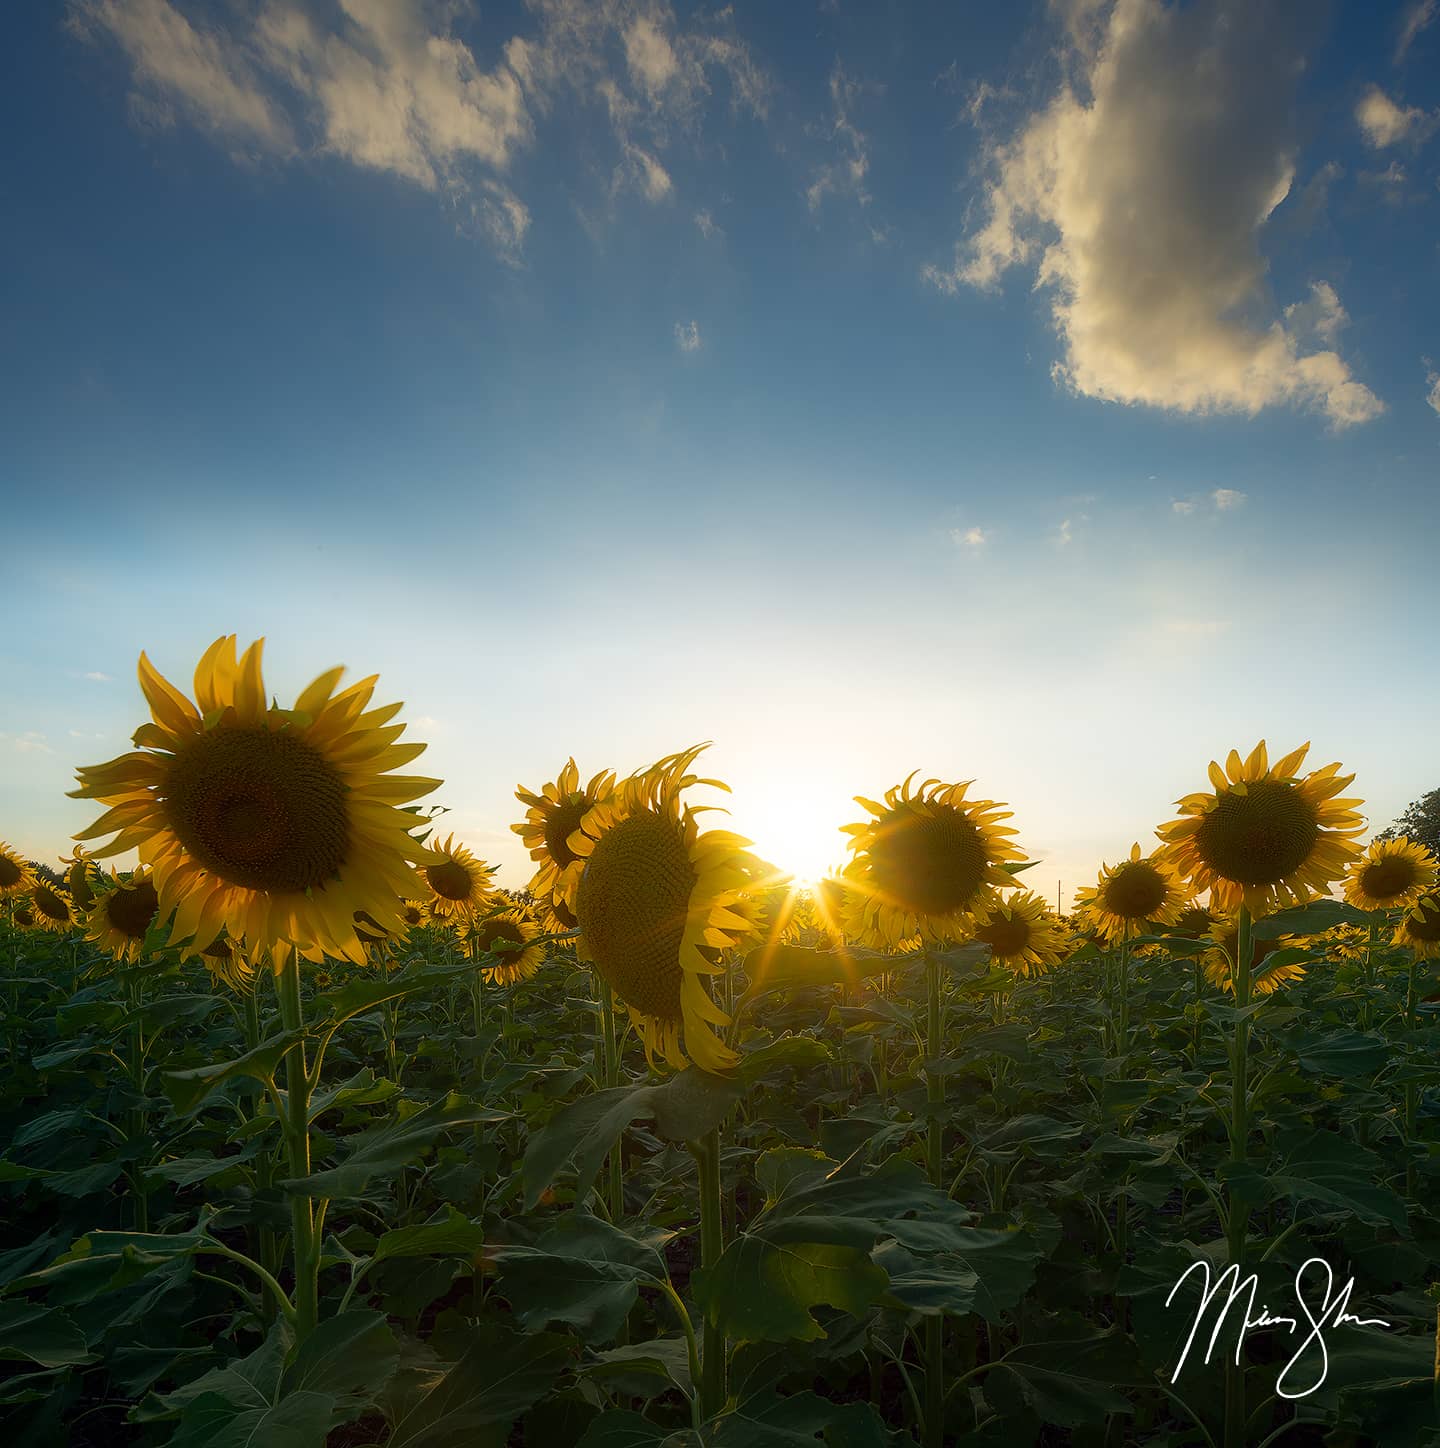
[[1420, 14], [1184, 506], [707, 225], [687, 336], [1383, 123], [1226, 499], [1139, 195], [95, 676], [971, 537], [29, 742], [845, 174], [1220, 500], [1065, 534], [1319, 319], [389, 87], [1432, 381]]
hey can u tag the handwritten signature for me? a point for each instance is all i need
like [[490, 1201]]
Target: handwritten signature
[[1334, 1312]]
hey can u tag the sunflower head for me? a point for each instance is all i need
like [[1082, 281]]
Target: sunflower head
[[927, 864], [830, 906], [52, 908], [16, 876], [230, 964], [24, 916], [1139, 891], [1419, 928], [1193, 922], [460, 885], [504, 943], [555, 814], [1390, 875], [654, 909], [81, 877], [1023, 935], [274, 824], [1265, 835], [123, 914]]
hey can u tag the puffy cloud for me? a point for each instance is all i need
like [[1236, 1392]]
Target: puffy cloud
[[1227, 498], [1139, 195], [1383, 123], [687, 336]]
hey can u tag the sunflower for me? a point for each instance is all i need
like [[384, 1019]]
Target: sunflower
[[229, 964], [1128, 895], [23, 917], [508, 938], [555, 814], [828, 907], [1267, 836], [276, 824], [1391, 875], [459, 884], [123, 914], [16, 876], [53, 908], [1023, 935], [1419, 928], [653, 906], [928, 865], [80, 878], [1219, 961], [1348, 942]]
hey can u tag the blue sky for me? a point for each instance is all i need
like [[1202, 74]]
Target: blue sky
[[1041, 395]]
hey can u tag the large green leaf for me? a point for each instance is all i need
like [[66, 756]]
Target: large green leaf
[[1325, 1167], [988, 1277], [1312, 919], [302, 1420], [1065, 1383], [188, 1089], [452, 1234], [348, 1358], [42, 1335]]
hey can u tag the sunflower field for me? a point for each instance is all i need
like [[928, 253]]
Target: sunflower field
[[314, 1135]]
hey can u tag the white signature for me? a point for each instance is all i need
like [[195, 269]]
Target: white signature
[[1333, 1313]]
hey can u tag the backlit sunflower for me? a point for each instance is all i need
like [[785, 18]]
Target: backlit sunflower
[[1023, 935], [229, 964], [16, 876], [1219, 962], [81, 877], [1267, 836], [1419, 928], [460, 885], [1128, 895], [828, 907], [927, 865], [24, 916], [555, 814], [1391, 875], [1193, 922], [276, 824], [653, 906], [123, 915], [1348, 942], [507, 938], [52, 908]]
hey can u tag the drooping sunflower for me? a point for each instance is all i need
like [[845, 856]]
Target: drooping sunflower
[[1266, 836], [460, 885], [1391, 875], [1129, 895], [1023, 935], [53, 908], [16, 876], [276, 824], [229, 964], [1419, 928], [508, 939], [1264, 980], [123, 914], [81, 876], [653, 906], [553, 816], [928, 865]]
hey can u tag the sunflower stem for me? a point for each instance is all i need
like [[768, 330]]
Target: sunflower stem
[[1122, 965], [136, 1132], [712, 1245], [304, 1247], [1239, 1125], [610, 1048], [935, 1162]]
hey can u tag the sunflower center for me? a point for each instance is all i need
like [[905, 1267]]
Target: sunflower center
[[10, 872], [1193, 922], [450, 880], [560, 823], [413, 915], [218, 950], [1136, 890], [929, 864], [1259, 837], [487, 932], [1427, 925], [1385, 879], [259, 808], [24, 918], [632, 903], [1005, 936], [49, 904], [131, 908]]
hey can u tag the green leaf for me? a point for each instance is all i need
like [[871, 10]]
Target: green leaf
[[1352, 1055], [620, 1428], [348, 1358], [188, 1089], [302, 1420], [492, 1384], [1323, 1166], [452, 1235], [1064, 1383], [782, 967], [643, 1368], [385, 1148], [1312, 919], [692, 1103], [41, 1335], [355, 997], [987, 1276]]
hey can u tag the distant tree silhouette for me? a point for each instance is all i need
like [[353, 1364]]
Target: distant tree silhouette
[[1421, 822]]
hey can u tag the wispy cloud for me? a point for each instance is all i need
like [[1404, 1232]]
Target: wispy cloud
[[1421, 14], [687, 336], [29, 742], [1139, 195], [1432, 383], [971, 537], [96, 677], [1385, 123], [707, 225], [1219, 500], [845, 174]]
